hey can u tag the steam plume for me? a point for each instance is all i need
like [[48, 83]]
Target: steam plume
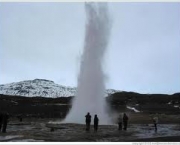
[[90, 95]]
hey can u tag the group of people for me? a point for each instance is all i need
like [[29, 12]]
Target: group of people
[[88, 122], [3, 121], [123, 122]]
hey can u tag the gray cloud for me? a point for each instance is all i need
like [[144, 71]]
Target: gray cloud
[[45, 40]]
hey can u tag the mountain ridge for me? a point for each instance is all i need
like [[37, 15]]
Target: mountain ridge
[[41, 88]]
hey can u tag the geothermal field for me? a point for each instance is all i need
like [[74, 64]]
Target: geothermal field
[[62, 119], [40, 130]]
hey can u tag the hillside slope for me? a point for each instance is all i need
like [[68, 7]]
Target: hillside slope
[[40, 87]]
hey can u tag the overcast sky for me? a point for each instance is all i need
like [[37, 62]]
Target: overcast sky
[[45, 40]]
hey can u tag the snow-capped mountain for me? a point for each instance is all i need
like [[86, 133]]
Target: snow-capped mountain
[[40, 87]]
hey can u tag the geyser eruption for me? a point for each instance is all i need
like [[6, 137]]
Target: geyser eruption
[[90, 95]]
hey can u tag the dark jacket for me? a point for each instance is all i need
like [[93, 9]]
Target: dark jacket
[[88, 118], [96, 120], [1, 117], [125, 118]]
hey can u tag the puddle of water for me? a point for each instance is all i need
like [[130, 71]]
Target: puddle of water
[[163, 130], [9, 137], [27, 140]]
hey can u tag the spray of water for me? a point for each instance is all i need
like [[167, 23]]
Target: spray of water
[[90, 95]]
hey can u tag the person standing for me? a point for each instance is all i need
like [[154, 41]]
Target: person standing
[[119, 122], [96, 121], [125, 121], [1, 120], [5, 121], [155, 121], [88, 121]]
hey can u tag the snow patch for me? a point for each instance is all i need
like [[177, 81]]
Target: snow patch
[[132, 108], [176, 106], [170, 103], [41, 88]]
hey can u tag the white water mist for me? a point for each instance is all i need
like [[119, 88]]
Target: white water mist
[[90, 95]]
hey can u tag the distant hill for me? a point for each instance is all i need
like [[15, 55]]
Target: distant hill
[[151, 103], [44, 98], [119, 102], [40, 88]]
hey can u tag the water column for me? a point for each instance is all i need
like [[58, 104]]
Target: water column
[[90, 96]]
